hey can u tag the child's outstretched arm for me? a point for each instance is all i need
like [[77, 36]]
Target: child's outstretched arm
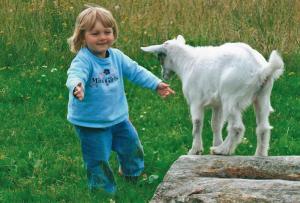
[[78, 74], [164, 90]]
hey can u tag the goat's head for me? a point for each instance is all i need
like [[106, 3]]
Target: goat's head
[[163, 53]]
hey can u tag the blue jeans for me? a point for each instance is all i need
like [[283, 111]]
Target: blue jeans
[[96, 146]]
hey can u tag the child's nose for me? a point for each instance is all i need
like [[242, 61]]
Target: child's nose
[[102, 36]]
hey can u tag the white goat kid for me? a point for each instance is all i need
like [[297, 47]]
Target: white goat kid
[[227, 78]]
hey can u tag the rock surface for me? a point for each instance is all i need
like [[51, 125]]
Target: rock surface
[[231, 179]]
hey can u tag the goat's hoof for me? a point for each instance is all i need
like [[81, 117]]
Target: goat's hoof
[[261, 154], [195, 152], [217, 151]]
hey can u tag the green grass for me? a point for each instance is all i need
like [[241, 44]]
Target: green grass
[[40, 158]]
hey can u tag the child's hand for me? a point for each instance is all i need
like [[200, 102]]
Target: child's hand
[[78, 92], [164, 90]]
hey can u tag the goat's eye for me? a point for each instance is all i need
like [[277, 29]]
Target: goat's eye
[[161, 57]]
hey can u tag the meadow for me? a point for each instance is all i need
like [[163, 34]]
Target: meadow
[[40, 158]]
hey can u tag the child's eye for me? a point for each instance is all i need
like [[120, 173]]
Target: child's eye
[[107, 32]]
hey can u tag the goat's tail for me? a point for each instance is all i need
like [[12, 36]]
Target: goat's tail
[[274, 68]]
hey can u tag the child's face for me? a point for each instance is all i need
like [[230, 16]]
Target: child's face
[[99, 39]]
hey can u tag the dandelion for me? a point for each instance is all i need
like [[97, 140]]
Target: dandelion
[[45, 49], [43, 76], [117, 7], [143, 129], [44, 66], [145, 177], [141, 116]]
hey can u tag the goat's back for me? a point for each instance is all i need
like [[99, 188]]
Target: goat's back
[[228, 74]]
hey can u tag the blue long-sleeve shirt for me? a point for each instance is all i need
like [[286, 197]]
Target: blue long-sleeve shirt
[[104, 103]]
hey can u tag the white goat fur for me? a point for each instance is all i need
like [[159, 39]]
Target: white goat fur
[[227, 78]]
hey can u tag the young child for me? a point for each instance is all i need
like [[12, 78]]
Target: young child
[[97, 103]]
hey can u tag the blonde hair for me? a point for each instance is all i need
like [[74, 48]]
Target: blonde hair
[[86, 20]]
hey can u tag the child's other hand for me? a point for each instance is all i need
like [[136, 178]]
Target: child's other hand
[[78, 92], [164, 90]]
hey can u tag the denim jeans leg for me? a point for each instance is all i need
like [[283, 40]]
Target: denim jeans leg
[[96, 147], [129, 149]]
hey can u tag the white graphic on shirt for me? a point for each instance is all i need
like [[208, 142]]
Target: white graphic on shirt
[[106, 77]]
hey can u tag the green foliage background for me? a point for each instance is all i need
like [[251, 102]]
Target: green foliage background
[[40, 158]]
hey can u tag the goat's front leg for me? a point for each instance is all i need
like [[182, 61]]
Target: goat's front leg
[[217, 122], [197, 119]]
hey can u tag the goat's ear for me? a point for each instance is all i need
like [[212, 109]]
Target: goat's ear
[[153, 49], [181, 39]]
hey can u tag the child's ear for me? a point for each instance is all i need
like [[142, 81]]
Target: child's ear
[[82, 37]]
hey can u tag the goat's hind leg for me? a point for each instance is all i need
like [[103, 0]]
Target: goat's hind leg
[[262, 109], [236, 131], [197, 119]]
